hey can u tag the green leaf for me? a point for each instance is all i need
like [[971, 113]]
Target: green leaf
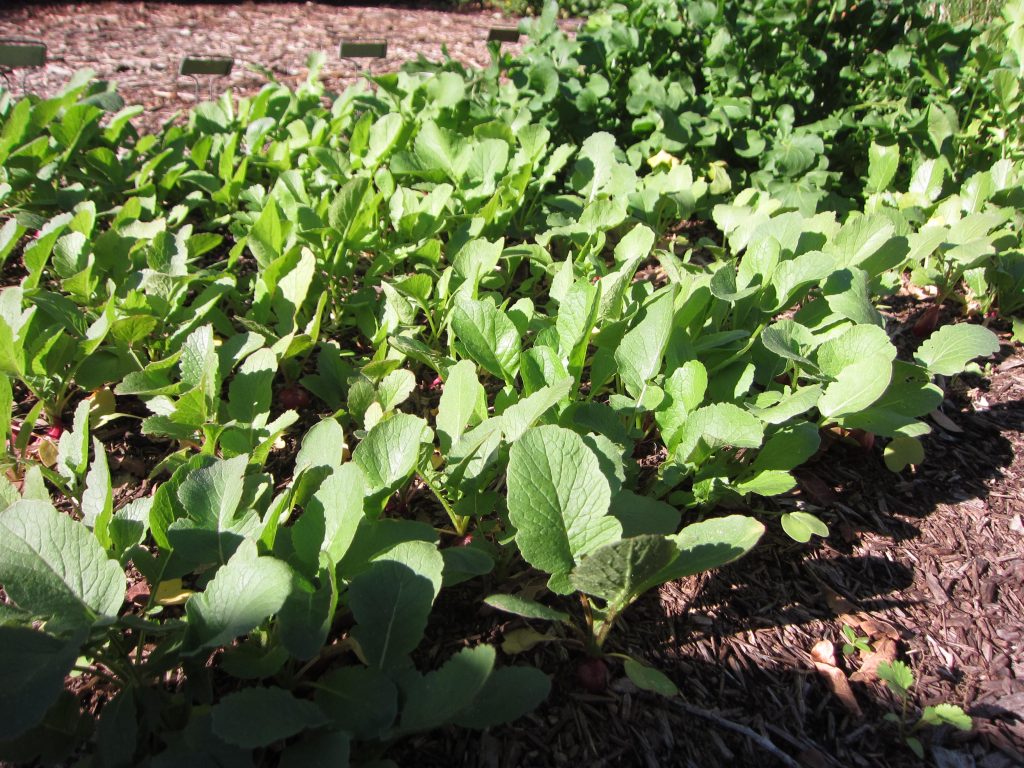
[[388, 453], [391, 600], [558, 499], [903, 451], [33, 666], [788, 448], [897, 675], [942, 125], [322, 446], [717, 425], [508, 694], [305, 619], [462, 404], [257, 717], [98, 497], [266, 238], [332, 516], [434, 699], [54, 567], [250, 390], [712, 544], [800, 526], [245, 592], [489, 337], [598, 172], [211, 496], [359, 700], [117, 732], [73, 447], [641, 514], [639, 354], [769, 482], [857, 386], [650, 679], [395, 388], [617, 572], [321, 749], [946, 714], [883, 163], [528, 609], [948, 351]]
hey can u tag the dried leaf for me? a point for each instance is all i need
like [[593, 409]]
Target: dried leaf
[[824, 656], [885, 650], [522, 640], [944, 421], [171, 592]]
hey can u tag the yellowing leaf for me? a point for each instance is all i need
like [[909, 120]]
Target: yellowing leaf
[[171, 592], [522, 640]]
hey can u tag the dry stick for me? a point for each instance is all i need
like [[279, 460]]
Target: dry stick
[[755, 737]]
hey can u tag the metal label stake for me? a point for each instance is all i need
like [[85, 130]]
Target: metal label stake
[[20, 53], [363, 49], [503, 35], [206, 66]]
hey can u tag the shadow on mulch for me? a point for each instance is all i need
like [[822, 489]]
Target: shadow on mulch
[[932, 557]]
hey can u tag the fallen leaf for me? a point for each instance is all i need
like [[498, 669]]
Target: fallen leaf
[[816, 489], [874, 627], [522, 640], [944, 421], [823, 654], [885, 650], [171, 592]]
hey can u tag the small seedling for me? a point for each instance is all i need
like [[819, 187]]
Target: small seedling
[[854, 643], [899, 678]]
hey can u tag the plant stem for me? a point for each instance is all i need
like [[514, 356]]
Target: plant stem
[[461, 522]]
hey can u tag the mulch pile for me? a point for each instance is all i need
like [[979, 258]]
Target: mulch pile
[[928, 565]]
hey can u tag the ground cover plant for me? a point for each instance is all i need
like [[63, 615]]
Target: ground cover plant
[[570, 321]]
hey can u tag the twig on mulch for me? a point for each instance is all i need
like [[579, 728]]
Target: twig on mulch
[[761, 741]]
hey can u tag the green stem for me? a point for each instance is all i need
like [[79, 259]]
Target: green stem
[[740, 352], [460, 522]]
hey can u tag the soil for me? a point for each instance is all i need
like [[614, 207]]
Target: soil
[[927, 565], [139, 45]]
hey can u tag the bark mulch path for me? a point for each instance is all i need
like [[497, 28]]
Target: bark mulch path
[[928, 564], [139, 45]]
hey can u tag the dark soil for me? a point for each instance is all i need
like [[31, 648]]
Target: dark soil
[[928, 564]]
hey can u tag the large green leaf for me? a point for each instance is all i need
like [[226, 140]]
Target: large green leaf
[[558, 499], [257, 717], [211, 497], [433, 699], [948, 351], [616, 571], [245, 592], [391, 600], [489, 337], [462, 403], [856, 387], [388, 453], [717, 425], [33, 666], [508, 694], [358, 699], [710, 544], [640, 352], [332, 516], [54, 567]]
